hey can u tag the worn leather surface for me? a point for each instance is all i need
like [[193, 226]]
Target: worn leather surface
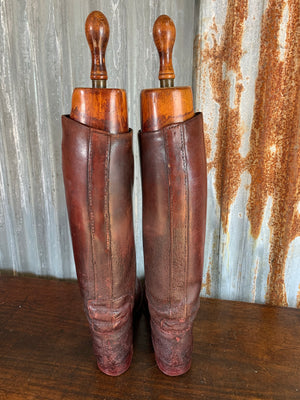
[[98, 177], [174, 187]]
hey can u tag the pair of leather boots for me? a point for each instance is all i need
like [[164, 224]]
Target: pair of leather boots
[[98, 169], [98, 175]]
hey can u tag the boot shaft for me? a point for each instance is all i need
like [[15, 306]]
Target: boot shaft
[[174, 216], [98, 176]]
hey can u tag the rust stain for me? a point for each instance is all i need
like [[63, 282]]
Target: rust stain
[[224, 59], [208, 281], [198, 71], [207, 284], [298, 297], [273, 160], [207, 141]]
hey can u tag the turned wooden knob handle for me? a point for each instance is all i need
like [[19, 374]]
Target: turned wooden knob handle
[[164, 34], [97, 34]]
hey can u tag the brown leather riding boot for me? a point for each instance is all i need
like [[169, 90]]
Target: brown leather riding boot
[[98, 176], [174, 214]]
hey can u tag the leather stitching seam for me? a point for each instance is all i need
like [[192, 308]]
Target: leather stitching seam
[[106, 210], [90, 203], [186, 222], [168, 167]]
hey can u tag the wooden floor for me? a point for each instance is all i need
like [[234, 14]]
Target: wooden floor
[[241, 351]]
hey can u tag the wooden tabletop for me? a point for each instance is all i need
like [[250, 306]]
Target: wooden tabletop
[[241, 351]]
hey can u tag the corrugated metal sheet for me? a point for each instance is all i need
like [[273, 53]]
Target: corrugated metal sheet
[[246, 82], [246, 76], [44, 55]]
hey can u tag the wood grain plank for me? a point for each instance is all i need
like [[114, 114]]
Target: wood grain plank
[[241, 351]]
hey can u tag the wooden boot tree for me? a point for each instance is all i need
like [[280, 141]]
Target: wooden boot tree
[[169, 104], [98, 107]]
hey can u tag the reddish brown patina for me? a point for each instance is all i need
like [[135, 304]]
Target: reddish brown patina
[[174, 212], [98, 176]]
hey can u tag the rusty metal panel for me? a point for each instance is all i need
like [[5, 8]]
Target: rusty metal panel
[[246, 82]]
